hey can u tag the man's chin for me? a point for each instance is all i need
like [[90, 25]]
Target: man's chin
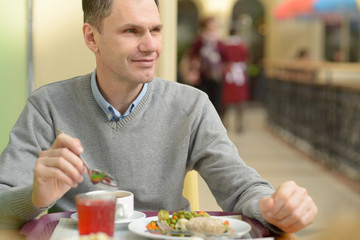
[[147, 78], [143, 75]]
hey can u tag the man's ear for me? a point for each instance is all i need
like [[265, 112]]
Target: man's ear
[[89, 32]]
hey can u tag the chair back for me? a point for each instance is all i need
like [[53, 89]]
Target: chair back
[[191, 189]]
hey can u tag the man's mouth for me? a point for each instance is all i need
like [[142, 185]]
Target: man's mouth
[[145, 62]]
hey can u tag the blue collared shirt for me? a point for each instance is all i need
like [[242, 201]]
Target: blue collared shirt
[[111, 112]]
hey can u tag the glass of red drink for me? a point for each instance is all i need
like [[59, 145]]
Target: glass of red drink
[[96, 213]]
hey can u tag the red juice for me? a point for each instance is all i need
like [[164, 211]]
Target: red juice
[[95, 215]]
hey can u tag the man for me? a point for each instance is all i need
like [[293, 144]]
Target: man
[[145, 131]]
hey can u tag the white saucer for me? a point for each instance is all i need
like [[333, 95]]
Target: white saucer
[[136, 216]]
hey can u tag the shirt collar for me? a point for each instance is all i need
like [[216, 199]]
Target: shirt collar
[[111, 113]]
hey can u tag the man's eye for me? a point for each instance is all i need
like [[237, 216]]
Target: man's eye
[[156, 30], [130, 30]]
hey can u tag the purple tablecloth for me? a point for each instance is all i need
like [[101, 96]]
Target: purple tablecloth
[[42, 228]]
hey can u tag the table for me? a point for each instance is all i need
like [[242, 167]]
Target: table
[[42, 228]]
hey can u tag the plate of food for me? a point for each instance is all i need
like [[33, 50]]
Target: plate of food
[[187, 224]]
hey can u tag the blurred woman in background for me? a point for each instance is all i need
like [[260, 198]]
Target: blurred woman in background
[[209, 54], [236, 80]]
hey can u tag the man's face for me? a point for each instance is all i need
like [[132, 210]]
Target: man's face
[[130, 41]]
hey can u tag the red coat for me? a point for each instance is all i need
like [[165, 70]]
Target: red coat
[[209, 68], [236, 80]]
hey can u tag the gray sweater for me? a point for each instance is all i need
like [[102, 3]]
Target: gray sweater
[[174, 129]]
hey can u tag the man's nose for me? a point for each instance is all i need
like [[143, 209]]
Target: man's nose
[[148, 43]]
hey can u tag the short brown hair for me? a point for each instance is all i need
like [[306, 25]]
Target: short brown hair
[[205, 21], [96, 10]]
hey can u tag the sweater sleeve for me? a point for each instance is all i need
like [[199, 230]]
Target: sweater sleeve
[[30, 135], [236, 186], [17, 207]]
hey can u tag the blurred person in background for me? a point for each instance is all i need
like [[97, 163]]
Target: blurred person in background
[[303, 54], [236, 80], [303, 70], [209, 54], [339, 56]]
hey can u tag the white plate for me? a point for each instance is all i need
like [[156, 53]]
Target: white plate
[[139, 227], [136, 216]]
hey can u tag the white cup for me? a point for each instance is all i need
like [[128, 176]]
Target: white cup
[[124, 202]]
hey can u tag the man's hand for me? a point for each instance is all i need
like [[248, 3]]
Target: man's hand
[[57, 170], [290, 208]]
